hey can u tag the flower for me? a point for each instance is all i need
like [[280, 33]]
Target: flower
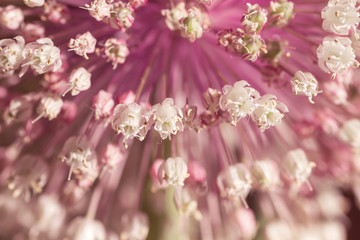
[[336, 55], [79, 80], [42, 56], [83, 44], [305, 84], [340, 17]]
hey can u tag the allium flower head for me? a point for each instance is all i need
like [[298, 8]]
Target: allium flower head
[[132, 120]]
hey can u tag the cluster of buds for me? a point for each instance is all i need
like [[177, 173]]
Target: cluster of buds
[[190, 22], [337, 54], [42, 56], [118, 14], [134, 120], [249, 46], [241, 100]]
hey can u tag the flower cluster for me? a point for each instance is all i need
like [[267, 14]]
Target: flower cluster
[[128, 120]]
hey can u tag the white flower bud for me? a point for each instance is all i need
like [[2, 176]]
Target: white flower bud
[[173, 171], [265, 174], [99, 9], [134, 226], [340, 16], [79, 80], [116, 51], [305, 84], [267, 112], [11, 53], [42, 56], [239, 100], [49, 107], [79, 154], [34, 3], [11, 17], [83, 44], [85, 228], [186, 204], [168, 118], [235, 181], [254, 19], [49, 217], [173, 16], [336, 55], [131, 120], [19, 110], [30, 176], [298, 167], [192, 24], [281, 12], [350, 132]]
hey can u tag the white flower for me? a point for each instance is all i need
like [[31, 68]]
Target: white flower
[[19, 110], [254, 19], [134, 226], [11, 53], [11, 17], [174, 15], [131, 120], [30, 176], [116, 51], [79, 154], [42, 56], [186, 204], [168, 118], [85, 228], [340, 17], [298, 167], [355, 42], [34, 3], [350, 132], [99, 9], [173, 171], [336, 55], [49, 217], [305, 84], [266, 174], [79, 80], [267, 112], [103, 104], [83, 44], [239, 100], [49, 107], [235, 181]]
